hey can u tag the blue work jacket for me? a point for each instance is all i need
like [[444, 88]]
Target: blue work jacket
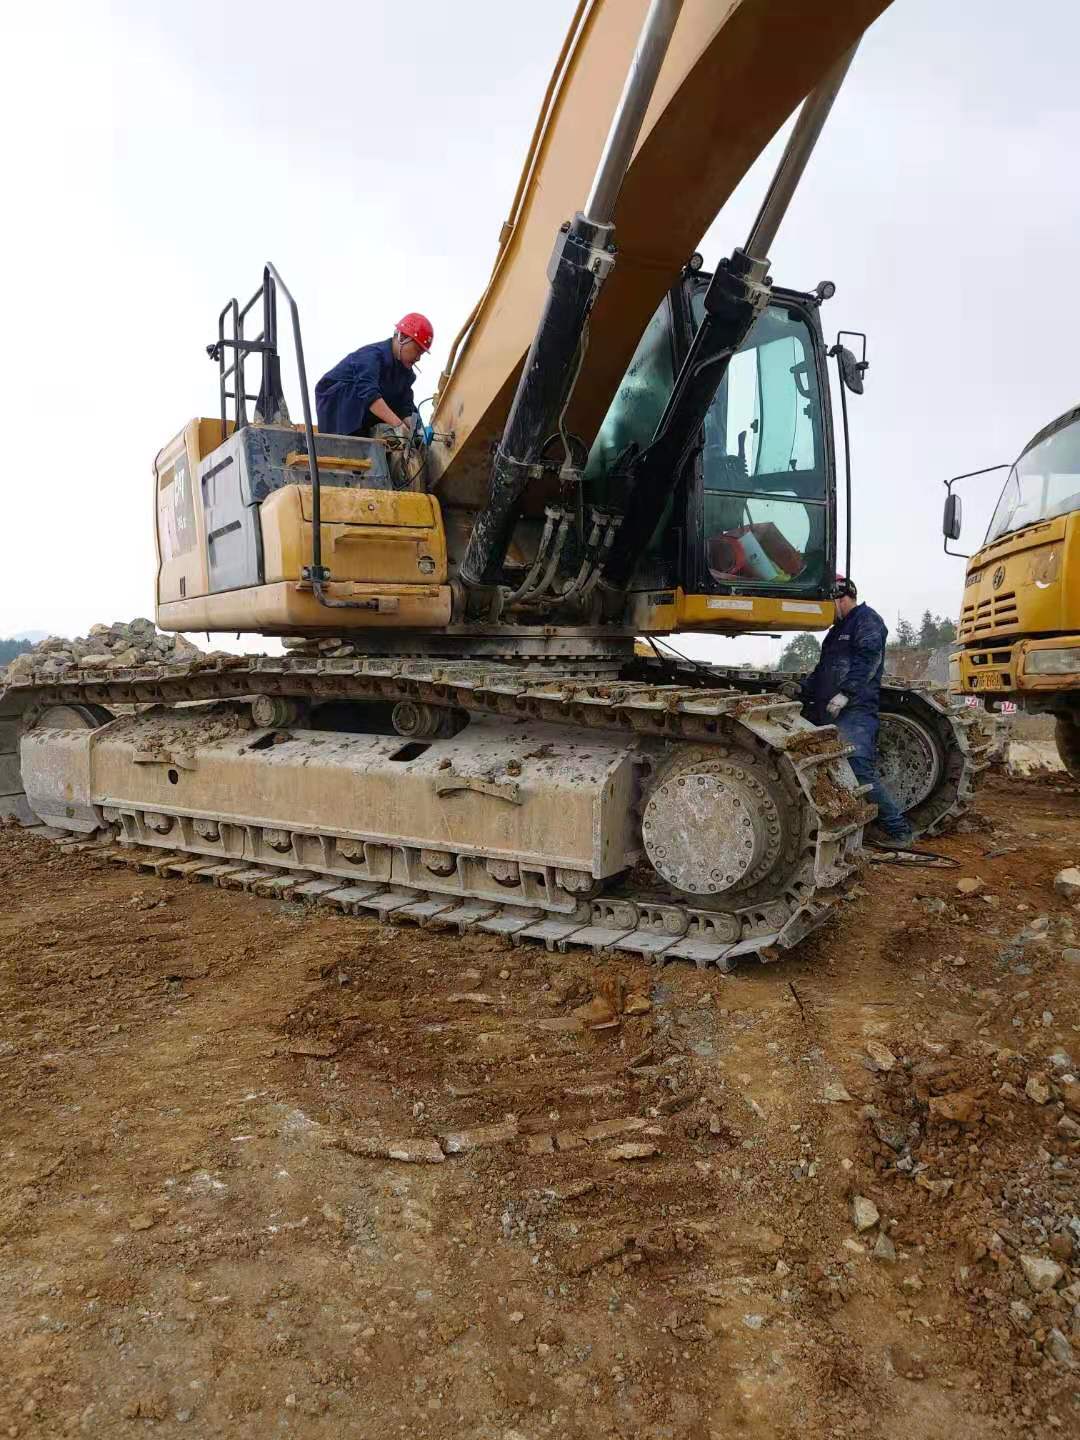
[[344, 395], [852, 662]]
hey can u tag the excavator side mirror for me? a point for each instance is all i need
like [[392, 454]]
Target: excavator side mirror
[[851, 370], [953, 518]]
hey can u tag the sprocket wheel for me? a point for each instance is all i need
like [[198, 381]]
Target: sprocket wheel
[[713, 824]]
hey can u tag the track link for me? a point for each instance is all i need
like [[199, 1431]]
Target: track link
[[605, 925]]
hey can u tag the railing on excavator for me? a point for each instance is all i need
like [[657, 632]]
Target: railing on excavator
[[270, 402]]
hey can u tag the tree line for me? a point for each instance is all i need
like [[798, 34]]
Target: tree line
[[10, 648], [801, 651]]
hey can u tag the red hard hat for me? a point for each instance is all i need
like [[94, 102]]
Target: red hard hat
[[415, 326]]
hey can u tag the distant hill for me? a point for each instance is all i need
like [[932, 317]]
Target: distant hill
[[30, 636]]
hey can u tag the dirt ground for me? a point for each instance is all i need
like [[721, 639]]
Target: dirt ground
[[648, 1229]]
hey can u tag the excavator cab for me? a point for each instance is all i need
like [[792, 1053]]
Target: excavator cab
[[751, 523]]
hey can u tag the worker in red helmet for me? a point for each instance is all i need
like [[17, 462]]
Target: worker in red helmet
[[372, 387]]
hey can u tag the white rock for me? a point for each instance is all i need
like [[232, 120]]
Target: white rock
[[1041, 1274], [1059, 1349], [864, 1213], [1067, 883], [881, 1055], [884, 1249], [1035, 757], [1037, 1090], [835, 1095]]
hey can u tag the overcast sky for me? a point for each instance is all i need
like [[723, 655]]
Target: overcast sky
[[157, 154]]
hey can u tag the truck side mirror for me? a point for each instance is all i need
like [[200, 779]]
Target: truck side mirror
[[953, 518]]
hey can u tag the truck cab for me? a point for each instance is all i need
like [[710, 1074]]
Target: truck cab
[[1019, 632]]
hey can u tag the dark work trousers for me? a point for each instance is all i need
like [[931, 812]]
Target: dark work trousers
[[860, 728]]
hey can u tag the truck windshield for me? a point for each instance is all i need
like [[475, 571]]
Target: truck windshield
[[1043, 484], [763, 463]]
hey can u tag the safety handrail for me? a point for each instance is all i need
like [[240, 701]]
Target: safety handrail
[[270, 400], [315, 572], [242, 346]]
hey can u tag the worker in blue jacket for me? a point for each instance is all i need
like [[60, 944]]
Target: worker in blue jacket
[[373, 385], [844, 689]]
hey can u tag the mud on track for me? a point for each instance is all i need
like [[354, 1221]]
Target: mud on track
[[640, 1230]]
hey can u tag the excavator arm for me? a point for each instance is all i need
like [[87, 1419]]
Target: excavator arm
[[731, 74]]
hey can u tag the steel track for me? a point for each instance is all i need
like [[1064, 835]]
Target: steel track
[[649, 922]]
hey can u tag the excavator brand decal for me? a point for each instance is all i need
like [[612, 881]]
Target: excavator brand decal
[[177, 512]]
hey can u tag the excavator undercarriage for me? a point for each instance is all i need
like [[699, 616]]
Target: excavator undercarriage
[[676, 820]]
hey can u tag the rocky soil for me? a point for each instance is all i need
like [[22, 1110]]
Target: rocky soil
[[270, 1170], [105, 647]]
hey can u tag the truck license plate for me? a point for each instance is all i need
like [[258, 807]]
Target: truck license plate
[[994, 680]]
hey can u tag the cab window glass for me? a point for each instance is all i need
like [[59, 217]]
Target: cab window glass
[[640, 399], [763, 465], [1043, 484]]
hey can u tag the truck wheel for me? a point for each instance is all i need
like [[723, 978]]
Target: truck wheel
[[1068, 743]]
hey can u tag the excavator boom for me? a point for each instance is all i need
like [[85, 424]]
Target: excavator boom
[[732, 74]]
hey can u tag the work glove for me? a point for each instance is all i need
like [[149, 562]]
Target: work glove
[[429, 434], [836, 704]]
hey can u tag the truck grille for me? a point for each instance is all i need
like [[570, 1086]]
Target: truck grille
[[999, 612]]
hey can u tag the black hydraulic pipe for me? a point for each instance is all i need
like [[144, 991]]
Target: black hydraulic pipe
[[847, 475], [576, 272], [737, 294], [583, 255]]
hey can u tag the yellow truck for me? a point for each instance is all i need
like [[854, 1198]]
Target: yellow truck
[[1019, 632]]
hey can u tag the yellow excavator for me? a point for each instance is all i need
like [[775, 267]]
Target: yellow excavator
[[460, 733], [1019, 633]]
